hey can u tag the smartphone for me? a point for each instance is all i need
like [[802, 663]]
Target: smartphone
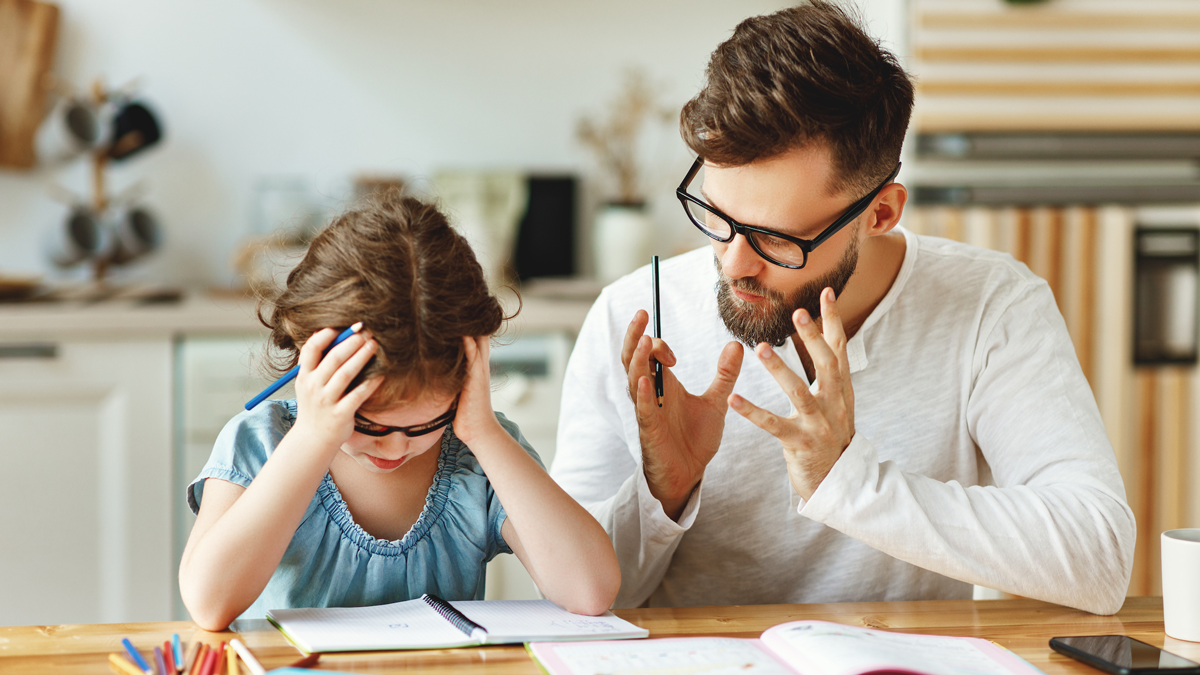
[[1123, 655]]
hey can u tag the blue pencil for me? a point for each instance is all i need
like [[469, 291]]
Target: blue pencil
[[137, 658], [291, 374], [178, 652]]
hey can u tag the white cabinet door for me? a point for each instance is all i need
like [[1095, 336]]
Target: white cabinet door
[[217, 375], [85, 437]]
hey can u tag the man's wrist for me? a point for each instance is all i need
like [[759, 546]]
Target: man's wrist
[[673, 499]]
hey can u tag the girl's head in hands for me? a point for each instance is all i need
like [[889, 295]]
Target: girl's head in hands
[[397, 266]]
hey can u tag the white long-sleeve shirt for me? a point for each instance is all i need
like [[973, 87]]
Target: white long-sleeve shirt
[[979, 455]]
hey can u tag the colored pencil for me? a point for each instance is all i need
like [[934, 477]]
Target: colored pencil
[[168, 657], [210, 660], [198, 665], [291, 374], [176, 652], [122, 665], [251, 663], [219, 665], [137, 657], [232, 668], [206, 661], [160, 662], [191, 657]]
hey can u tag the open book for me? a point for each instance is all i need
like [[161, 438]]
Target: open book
[[430, 623], [804, 647]]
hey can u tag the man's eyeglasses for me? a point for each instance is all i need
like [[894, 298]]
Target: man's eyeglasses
[[775, 247], [365, 426]]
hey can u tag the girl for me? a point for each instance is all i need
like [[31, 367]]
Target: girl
[[388, 475]]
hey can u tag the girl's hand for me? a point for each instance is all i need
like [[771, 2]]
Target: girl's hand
[[323, 413], [475, 418]]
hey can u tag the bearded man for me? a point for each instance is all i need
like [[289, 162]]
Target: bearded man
[[912, 419]]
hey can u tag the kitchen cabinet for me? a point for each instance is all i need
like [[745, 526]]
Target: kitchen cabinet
[[85, 433]]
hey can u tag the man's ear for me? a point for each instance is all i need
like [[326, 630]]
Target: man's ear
[[889, 205]]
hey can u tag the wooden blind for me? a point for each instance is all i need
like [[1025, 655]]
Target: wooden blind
[[1063, 65]]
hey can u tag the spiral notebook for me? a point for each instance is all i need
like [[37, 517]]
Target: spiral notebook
[[432, 623]]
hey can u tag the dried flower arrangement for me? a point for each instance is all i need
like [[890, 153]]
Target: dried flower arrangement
[[614, 140]]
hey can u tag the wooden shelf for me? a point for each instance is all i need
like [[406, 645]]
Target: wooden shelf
[[1040, 54], [1038, 19], [939, 122], [1054, 89]]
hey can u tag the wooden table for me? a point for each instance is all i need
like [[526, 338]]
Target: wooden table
[[1023, 626]]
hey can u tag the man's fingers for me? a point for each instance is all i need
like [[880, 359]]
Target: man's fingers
[[767, 421], [729, 366], [639, 365], [831, 322], [637, 328], [661, 352], [833, 330], [646, 402], [826, 363], [792, 384]]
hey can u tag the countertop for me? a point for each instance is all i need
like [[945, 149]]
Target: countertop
[[201, 312]]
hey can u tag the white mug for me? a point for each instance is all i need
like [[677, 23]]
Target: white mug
[[1181, 583], [135, 233], [79, 236], [71, 128]]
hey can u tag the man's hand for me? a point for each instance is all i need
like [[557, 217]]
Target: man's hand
[[680, 438], [815, 436]]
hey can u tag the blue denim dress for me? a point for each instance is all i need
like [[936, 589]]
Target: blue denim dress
[[332, 562]]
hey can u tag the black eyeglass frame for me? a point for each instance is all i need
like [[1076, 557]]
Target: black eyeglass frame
[[736, 228], [411, 431]]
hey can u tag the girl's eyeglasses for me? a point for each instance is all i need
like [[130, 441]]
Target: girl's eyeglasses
[[774, 247], [365, 426]]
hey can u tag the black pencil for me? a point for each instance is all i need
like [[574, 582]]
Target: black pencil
[[658, 372]]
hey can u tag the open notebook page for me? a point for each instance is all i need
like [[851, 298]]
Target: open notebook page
[[399, 625], [677, 656], [833, 649], [525, 620]]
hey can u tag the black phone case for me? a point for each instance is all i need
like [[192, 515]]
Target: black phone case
[[1110, 667]]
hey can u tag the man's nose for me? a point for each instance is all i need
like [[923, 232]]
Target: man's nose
[[740, 260]]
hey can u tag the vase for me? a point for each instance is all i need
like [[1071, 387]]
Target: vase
[[622, 240], [486, 208]]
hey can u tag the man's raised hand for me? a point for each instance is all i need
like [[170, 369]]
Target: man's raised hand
[[680, 438], [815, 436]]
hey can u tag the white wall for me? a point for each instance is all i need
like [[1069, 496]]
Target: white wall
[[325, 89]]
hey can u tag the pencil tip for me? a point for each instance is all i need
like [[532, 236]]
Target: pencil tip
[[356, 327]]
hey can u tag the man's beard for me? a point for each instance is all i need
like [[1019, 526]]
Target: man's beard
[[772, 321]]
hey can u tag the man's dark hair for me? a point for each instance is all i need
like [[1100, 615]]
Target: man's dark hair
[[806, 73]]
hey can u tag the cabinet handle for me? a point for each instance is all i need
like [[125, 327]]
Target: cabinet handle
[[33, 350]]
